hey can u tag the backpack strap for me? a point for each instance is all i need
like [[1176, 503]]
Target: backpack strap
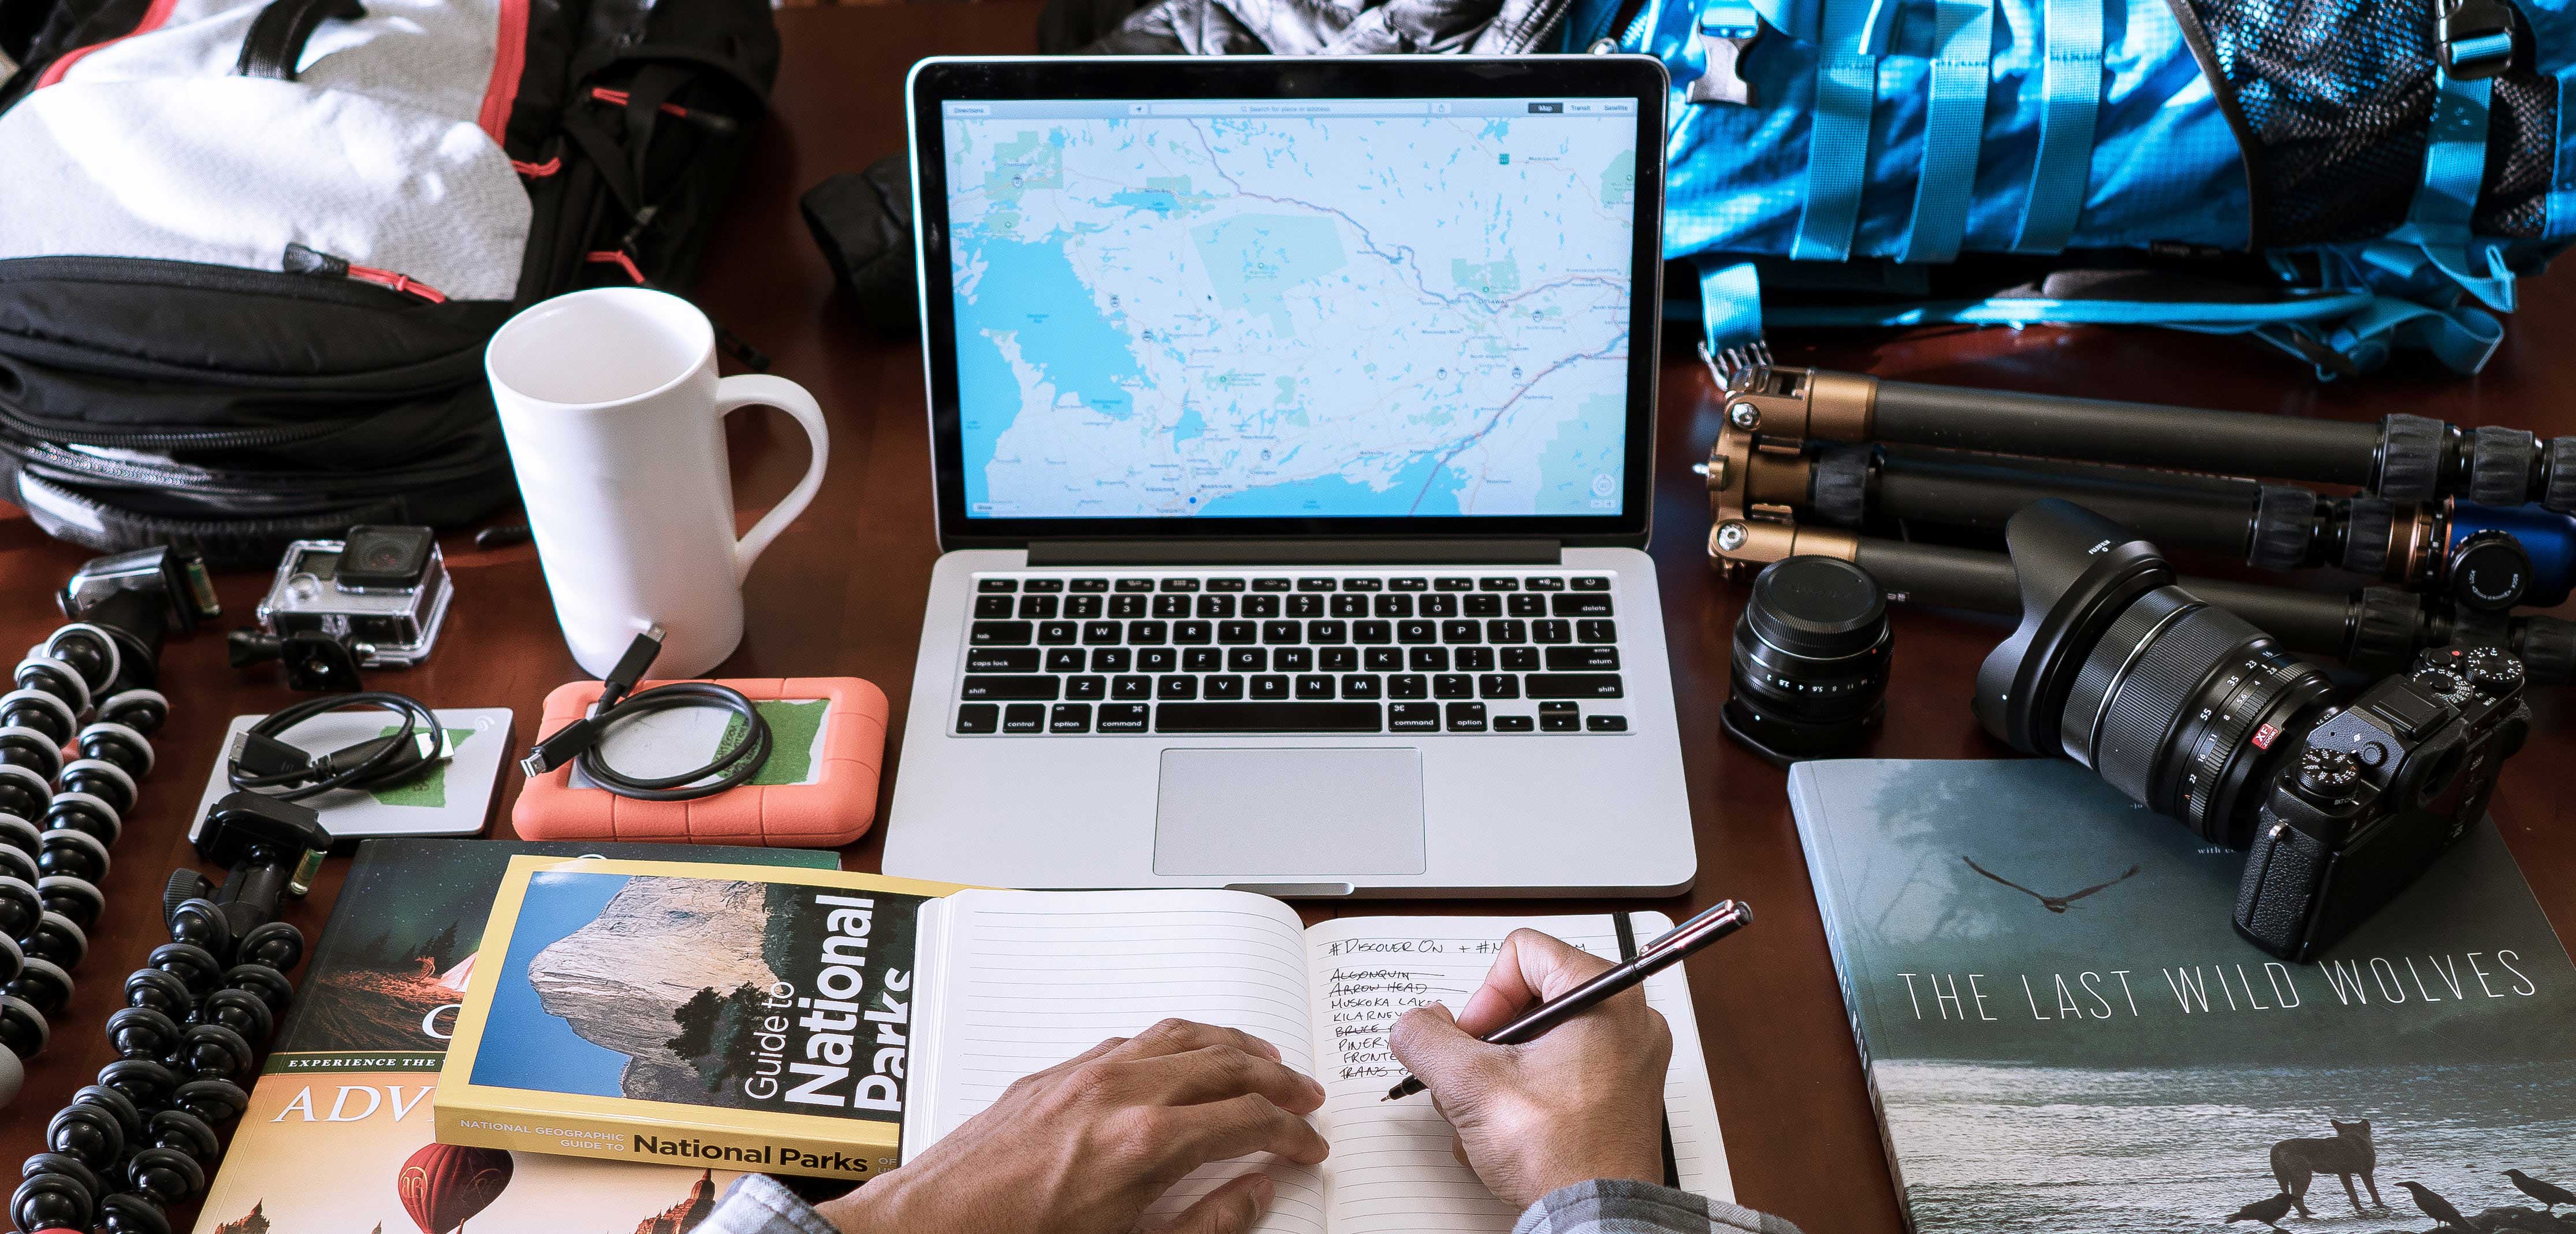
[[1853, 35], [2071, 99], [1730, 303], [2455, 165], [275, 44], [1954, 123]]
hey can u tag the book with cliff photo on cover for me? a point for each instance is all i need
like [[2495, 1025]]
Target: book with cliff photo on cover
[[337, 1138], [2062, 1030], [775, 1019]]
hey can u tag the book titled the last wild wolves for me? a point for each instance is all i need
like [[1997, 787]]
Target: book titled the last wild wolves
[[2062, 1031]]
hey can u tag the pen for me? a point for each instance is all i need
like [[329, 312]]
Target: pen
[[1676, 945]]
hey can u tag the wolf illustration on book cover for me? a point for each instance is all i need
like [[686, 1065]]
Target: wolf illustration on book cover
[[2064, 1033]]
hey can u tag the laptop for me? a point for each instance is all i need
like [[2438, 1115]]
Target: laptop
[[1291, 427]]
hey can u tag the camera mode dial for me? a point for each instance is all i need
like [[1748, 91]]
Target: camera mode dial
[[2328, 775], [2492, 669]]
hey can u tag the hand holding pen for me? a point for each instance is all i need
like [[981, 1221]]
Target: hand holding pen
[[1582, 1095]]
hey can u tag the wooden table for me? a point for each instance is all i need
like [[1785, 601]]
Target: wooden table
[[842, 593]]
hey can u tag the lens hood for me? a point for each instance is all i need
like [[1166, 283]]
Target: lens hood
[[2078, 572]]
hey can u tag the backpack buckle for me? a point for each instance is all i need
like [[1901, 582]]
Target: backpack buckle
[[2473, 39], [1726, 28]]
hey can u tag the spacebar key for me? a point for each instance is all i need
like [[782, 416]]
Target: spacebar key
[[1267, 718]]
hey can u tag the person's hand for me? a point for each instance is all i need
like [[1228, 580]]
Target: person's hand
[[1584, 1101], [1082, 1147]]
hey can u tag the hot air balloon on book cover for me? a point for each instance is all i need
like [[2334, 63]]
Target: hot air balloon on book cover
[[337, 1139]]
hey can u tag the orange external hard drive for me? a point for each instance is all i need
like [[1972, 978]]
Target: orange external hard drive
[[818, 789]]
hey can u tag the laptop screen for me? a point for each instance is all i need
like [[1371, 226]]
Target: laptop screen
[[1310, 309]]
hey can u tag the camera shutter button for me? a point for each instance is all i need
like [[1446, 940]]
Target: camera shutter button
[[2329, 775]]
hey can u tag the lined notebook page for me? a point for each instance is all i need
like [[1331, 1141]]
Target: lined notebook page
[[1391, 1169], [1035, 978]]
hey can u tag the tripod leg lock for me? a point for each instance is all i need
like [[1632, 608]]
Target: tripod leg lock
[[2500, 462], [2285, 522], [2410, 458], [2368, 524]]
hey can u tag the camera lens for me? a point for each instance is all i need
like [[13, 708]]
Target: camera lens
[[2184, 707], [1810, 660], [384, 556]]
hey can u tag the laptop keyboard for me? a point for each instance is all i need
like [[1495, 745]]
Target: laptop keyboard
[[1348, 652]]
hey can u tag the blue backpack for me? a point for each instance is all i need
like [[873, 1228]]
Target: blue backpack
[[2337, 178]]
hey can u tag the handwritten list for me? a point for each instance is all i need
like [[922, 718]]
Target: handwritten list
[[1392, 1167]]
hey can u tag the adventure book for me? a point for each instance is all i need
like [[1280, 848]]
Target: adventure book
[[337, 1138], [744, 995], [2062, 1031]]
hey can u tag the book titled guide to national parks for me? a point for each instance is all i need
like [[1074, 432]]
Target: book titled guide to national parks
[[831, 1024], [2062, 1031], [337, 1137]]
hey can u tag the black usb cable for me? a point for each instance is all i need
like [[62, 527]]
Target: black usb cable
[[260, 759], [618, 700]]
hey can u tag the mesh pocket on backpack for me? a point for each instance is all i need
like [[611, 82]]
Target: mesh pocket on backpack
[[2333, 98]]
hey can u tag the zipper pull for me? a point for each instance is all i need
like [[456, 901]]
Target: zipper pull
[[303, 260], [712, 122], [727, 341]]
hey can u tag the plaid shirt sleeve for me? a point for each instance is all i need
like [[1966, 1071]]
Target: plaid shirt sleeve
[[757, 1204], [1618, 1206]]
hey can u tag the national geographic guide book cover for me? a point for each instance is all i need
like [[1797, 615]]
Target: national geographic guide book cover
[[337, 1138], [2062, 1031], [746, 1017]]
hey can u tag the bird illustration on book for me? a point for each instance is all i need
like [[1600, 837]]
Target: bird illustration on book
[[2436, 1207], [2268, 1211], [2550, 1194], [2054, 904]]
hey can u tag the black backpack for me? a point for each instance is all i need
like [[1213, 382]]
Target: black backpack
[[251, 250]]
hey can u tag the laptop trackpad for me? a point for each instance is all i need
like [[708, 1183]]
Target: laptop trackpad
[[1260, 813]]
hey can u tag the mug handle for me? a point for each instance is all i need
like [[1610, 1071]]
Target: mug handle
[[756, 390]]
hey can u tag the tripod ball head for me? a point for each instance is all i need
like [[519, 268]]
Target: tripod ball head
[[270, 845]]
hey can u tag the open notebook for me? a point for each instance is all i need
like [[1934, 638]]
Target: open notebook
[[1019, 981]]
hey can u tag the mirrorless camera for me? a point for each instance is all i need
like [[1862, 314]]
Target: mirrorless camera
[[2197, 715]]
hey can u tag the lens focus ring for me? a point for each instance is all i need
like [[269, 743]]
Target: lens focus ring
[[2139, 725], [2080, 725]]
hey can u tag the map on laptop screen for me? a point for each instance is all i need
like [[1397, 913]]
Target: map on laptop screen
[[1292, 309]]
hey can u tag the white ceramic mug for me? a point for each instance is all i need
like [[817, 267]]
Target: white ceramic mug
[[615, 418]]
